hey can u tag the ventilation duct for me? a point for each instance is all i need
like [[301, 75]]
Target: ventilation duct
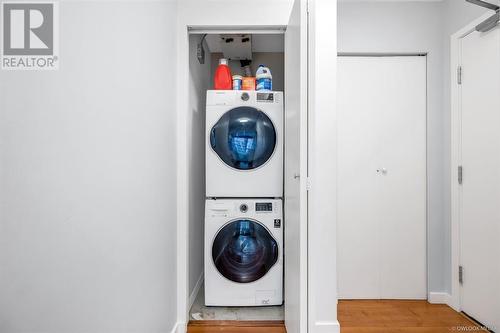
[[492, 21], [236, 47]]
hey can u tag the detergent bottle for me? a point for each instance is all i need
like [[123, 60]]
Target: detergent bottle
[[264, 79], [223, 79]]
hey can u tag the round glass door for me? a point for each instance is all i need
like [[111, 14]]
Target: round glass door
[[244, 138], [244, 251]]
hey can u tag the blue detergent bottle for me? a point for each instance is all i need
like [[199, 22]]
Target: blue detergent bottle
[[264, 79]]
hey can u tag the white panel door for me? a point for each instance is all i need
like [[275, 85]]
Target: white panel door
[[382, 178], [295, 219], [480, 190]]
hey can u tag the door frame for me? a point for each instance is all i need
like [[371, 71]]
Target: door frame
[[430, 296], [322, 167], [184, 299], [456, 190], [321, 300]]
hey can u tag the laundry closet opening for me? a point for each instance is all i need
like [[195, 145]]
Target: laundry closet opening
[[236, 149]]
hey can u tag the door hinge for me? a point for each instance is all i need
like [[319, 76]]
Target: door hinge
[[461, 274], [459, 75], [460, 174], [308, 183]]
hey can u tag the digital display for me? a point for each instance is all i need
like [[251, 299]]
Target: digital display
[[264, 207], [265, 97]]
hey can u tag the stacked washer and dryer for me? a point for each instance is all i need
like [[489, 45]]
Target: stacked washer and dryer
[[244, 190]]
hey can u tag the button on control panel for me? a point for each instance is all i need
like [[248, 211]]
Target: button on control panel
[[243, 208], [265, 97], [263, 207]]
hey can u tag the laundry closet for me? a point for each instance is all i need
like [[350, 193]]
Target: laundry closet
[[249, 232], [236, 237]]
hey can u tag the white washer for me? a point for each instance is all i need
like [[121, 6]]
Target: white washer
[[244, 144], [243, 252]]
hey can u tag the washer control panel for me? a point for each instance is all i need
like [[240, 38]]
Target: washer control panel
[[263, 207], [265, 97]]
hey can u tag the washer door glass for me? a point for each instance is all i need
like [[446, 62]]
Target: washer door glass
[[244, 138], [244, 251]]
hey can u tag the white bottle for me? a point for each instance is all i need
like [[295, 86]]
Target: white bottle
[[264, 79]]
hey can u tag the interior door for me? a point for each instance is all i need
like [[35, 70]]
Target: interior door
[[381, 177], [480, 189], [295, 225]]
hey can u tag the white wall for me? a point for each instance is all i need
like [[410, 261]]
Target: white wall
[[87, 177], [398, 27], [199, 82], [234, 12], [410, 27]]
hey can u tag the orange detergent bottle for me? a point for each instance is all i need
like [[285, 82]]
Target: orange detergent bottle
[[223, 79]]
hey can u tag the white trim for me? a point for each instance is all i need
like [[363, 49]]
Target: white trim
[[326, 327], [454, 301], [439, 298], [179, 328], [196, 290], [322, 168], [182, 104], [218, 29]]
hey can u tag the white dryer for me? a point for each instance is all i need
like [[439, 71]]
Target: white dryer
[[244, 144], [243, 252]]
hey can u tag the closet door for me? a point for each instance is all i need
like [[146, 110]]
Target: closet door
[[480, 189], [295, 177], [382, 178]]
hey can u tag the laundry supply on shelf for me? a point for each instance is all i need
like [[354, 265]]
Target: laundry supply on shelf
[[237, 82], [223, 79], [248, 83], [245, 66], [264, 79]]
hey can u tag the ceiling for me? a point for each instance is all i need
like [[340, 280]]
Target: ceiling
[[390, 0]]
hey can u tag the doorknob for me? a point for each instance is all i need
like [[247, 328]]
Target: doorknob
[[296, 176]]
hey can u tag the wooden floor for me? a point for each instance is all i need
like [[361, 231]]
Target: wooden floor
[[363, 317], [207, 326], [399, 317]]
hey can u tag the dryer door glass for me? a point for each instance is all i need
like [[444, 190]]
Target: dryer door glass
[[244, 138], [244, 251]]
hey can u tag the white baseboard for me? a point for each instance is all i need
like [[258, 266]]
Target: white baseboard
[[196, 290], [439, 298], [326, 327], [178, 328]]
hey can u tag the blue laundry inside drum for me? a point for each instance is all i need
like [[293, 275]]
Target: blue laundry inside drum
[[244, 251], [243, 148], [244, 138]]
